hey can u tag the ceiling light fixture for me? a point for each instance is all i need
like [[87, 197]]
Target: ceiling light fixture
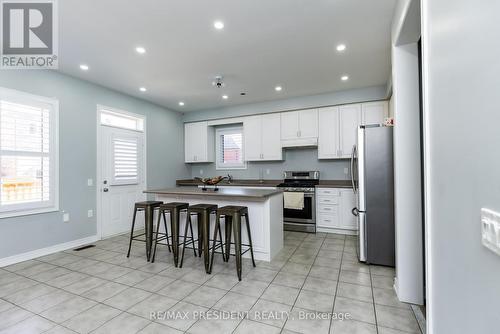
[[278, 88], [341, 47], [143, 89], [140, 50], [181, 103], [225, 97], [84, 67], [219, 25], [344, 78]]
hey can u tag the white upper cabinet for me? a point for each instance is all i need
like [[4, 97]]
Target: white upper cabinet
[[199, 142], [252, 136], [289, 125], [308, 123], [328, 134], [349, 120], [299, 128], [374, 112], [271, 137], [262, 138]]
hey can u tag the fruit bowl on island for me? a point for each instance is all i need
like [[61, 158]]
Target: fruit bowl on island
[[210, 182]]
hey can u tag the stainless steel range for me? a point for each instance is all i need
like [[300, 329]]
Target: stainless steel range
[[301, 216]]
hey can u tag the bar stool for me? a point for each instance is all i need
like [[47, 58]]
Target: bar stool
[[203, 212], [232, 219], [148, 207], [174, 209]]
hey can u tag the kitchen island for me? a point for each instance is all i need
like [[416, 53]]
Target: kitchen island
[[265, 209]]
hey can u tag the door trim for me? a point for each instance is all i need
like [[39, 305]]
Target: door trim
[[97, 182]]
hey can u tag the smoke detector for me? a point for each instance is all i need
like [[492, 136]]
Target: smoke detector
[[218, 82]]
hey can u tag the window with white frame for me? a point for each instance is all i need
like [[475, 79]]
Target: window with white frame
[[119, 119], [28, 153], [126, 144], [229, 148]]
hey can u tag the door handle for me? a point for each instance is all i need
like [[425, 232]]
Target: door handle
[[105, 190], [355, 212], [353, 154]]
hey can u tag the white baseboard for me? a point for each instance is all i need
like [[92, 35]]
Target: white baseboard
[[6, 261]]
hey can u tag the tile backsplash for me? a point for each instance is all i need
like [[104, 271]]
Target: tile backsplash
[[294, 159]]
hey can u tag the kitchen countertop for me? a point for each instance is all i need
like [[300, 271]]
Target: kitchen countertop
[[248, 183], [267, 183], [334, 184], [223, 193]]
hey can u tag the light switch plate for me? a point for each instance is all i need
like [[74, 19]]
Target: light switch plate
[[65, 217], [490, 230], [90, 213], [90, 182]]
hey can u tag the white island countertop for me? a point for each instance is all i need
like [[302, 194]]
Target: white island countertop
[[242, 194]]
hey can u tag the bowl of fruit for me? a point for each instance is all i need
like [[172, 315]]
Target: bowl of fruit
[[213, 181]]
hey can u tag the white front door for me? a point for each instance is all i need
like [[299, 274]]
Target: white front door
[[122, 178]]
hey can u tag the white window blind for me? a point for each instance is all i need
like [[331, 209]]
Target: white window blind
[[229, 144], [125, 160], [27, 153]]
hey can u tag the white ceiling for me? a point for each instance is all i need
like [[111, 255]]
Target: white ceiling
[[264, 43]]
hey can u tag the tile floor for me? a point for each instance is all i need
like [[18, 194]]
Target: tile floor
[[99, 290]]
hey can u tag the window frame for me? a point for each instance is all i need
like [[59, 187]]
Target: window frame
[[24, 209], [219, 165]]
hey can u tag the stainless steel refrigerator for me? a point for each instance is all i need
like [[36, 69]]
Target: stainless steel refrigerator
[[373, 183]]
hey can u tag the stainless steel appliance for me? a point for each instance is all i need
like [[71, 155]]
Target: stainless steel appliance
[[303, 220], [373, 184]]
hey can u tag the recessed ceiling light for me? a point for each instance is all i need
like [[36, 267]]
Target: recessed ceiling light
[[344, 78], [341, 47], [143, 89], [225, 97], [140, 50], [219, 25], [278, 88], [181, 103], [84, 67]]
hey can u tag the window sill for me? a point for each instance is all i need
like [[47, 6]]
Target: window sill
[[20, 213], [230, 168]]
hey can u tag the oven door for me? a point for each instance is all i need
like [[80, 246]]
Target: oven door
[[305, 216]]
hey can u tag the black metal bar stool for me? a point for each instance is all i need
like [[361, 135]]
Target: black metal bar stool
[[232, 219], [203, 212], [174, 209], [148, 207]]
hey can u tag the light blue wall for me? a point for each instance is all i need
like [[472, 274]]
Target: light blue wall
[[294, 159], [313, 101], [462, 163], [77, 156]]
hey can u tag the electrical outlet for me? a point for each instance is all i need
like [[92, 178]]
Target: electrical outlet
[[90, 182], [90, 213], [490, 230], [65, 217], [346, 171], [201, 171]]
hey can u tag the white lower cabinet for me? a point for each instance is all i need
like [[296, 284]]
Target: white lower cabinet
[[333, 210]]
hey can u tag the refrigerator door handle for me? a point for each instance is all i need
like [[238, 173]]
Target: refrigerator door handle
[[352, 169], [355, 212]]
